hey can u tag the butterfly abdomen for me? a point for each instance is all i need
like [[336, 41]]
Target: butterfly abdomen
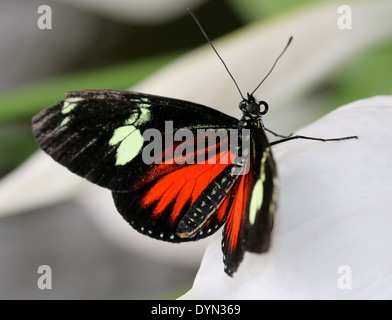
[[206, 204]]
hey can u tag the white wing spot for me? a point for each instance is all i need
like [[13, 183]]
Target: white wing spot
[[131, 142], [132, 118], [63, 124], [129, 137], [143, 105], [70, 104], [144, 116], [256, 201]]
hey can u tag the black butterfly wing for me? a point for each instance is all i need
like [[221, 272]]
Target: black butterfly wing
[[251, 205], [159, 216], [184, 204], [98, 134]]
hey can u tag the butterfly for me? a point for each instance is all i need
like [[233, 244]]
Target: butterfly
[[97, 135], [162, 189]]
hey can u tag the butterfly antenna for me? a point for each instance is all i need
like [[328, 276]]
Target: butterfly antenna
[[209, 41], [276, 61]]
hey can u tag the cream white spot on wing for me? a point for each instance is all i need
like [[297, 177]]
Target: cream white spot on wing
[[63, 124], [256, 201], [138, 118], [129, 137], [144, 116], [132, 118], [131, 142], [70, 104], [258, 190]]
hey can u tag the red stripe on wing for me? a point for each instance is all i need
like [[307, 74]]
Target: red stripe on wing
[[237, 210], [181, 186]]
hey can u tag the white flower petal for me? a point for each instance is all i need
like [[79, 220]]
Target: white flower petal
[[39, 181], [334, 210]]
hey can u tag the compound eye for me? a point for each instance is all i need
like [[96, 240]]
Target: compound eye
[[243, 105], [253, 108]]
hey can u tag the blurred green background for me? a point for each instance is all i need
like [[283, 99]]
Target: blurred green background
[[88, 49]]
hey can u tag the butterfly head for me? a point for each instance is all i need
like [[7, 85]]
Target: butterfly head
[[251, 107]]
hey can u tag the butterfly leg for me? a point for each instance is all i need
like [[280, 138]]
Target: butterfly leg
[[311, 138], [276, 134]]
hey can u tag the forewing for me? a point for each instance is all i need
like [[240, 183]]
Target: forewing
[[98, 134]]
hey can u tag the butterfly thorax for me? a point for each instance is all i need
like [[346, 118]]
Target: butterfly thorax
[[247, 122]]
